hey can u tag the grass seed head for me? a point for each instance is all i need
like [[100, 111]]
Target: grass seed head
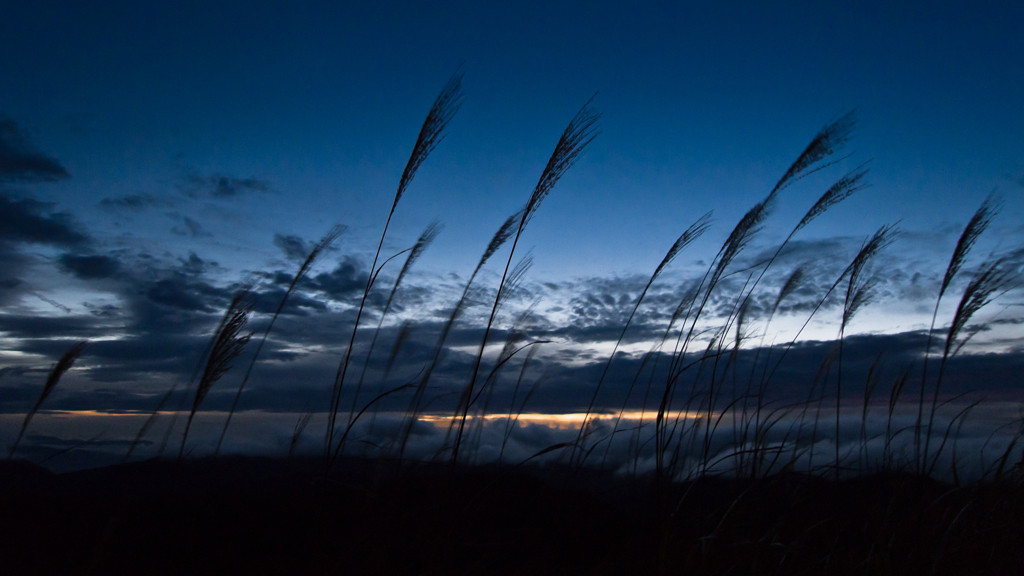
[[974, 229], [441, 113], [580, 132]]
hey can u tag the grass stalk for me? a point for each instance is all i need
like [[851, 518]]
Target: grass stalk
[[422, 243], [431, 133], [63, 364], [695, 231], [580, 132], [976, 226], [228, 343], [318, 249], [500, 237]]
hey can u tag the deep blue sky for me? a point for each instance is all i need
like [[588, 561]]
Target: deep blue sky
[[704, 107], [195, 132]]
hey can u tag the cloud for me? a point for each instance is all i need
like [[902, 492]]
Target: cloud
[[294, 247], [222, 186], [102, 310], [90, 267], [13, 371], [21, 162], [346, 280], [194, 265], [28, 220], [182, 293], [226, 186], [53, 303], [12, 263], [190, 228], [134, 202], [44, 328], [267, 301]]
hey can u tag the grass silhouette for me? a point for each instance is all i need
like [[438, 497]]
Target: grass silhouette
[[742, 481]]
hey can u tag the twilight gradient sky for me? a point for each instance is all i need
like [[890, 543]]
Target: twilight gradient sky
[[201, 141]]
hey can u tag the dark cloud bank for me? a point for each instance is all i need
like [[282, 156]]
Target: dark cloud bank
[[169, 306]]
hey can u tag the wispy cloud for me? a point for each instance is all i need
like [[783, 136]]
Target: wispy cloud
[[294, 247], [135, 202], [26, 220], [20, 161], [94, 267], [190, 228], [222, 186]]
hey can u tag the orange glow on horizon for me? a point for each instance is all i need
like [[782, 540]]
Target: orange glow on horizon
[[552, 420], [572, 419]]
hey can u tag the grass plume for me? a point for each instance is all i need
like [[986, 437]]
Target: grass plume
[[66, 361], [826, 142], [228, 343], [976, 226]]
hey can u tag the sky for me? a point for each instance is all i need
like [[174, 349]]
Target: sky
[[153, 157]]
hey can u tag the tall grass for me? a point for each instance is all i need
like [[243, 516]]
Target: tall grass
[[976, 226], [712, 400], [227, 344], [431, 133], [580, 132], [824, 144], [500, 237], [315, 253], [695, 231], [858, 293], [715, 401], [417, 249], [66, 361]]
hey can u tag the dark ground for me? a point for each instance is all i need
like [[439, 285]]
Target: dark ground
[[260, 516]]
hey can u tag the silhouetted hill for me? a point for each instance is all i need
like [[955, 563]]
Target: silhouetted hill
[[244, 515]]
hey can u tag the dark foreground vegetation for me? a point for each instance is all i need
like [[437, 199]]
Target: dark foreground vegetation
[[237, 515]]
